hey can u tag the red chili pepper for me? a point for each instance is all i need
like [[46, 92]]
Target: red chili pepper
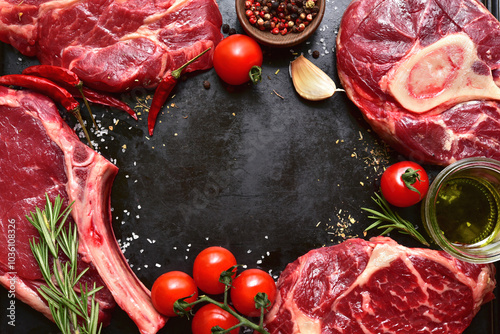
[[42, 85], [62, 76], [163, 91], [57, 74], [48, 88], [108, 100], [72, 83]]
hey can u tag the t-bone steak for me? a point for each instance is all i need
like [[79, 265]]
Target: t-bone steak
[[378, 286], [113, 45], [40, 154], [425, 75]]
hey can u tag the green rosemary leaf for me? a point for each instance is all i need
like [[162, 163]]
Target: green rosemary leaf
[[37, 250], [391, 226], [56, 269], [48, 206], [94, 316], [95, 327], [41, 254], [45, 234], [80, 276], [387, 231], [374, 224], [59, 318], [392, 219], [377, 215], [72, 300], [33, 221], [94, 290], [69, 308], [49, 295]]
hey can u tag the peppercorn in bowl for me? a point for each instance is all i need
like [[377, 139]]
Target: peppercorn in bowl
[[280, 23]]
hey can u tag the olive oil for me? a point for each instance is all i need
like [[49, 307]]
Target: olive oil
[[467, 210]]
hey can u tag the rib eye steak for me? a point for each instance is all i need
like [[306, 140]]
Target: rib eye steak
[[378, 286], [40, 154]]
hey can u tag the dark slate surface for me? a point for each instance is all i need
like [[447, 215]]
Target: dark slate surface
[[255, 169]]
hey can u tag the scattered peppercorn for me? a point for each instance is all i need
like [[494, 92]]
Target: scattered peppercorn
[[281, 16], [315, 54], [206, 84], [232, 31], [225, 28]]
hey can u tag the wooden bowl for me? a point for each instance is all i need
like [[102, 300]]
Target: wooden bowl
[[265, 37]]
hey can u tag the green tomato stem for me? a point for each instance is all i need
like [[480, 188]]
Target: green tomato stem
[[243, 321], [255, 74], [409, 178], [181, 307]]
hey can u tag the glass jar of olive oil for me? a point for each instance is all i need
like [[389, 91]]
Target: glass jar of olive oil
[[461, 211]]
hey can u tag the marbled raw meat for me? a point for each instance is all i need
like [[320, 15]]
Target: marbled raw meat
[[378, 286], [40, 154], [114, 45], [425, 75]]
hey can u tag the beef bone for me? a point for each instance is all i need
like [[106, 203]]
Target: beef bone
[[442, 74], [40, 154]]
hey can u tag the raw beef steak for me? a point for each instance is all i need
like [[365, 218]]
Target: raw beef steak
[[378, 286], [113, 45], [40, 154], [425, 75]]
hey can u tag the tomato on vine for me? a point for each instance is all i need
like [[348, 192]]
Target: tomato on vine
[[211, 315], [246, 286], [209, 265], [170, 287], [404, 183], [238, 59]]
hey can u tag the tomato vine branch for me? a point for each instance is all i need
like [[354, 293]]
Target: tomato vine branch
[[262, 302]]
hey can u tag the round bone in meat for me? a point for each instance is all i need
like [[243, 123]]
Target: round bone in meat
[[423, 73]]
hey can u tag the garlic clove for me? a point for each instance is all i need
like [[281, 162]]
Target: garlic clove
[[310, 81]]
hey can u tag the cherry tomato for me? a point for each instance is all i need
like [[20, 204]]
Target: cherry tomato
[[170, 287], [235, 56], [246, 286], [208, 266], [404, 184], [211, 315]]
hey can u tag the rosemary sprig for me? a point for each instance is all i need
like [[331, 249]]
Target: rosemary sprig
[[392, 220], [69, 308]]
